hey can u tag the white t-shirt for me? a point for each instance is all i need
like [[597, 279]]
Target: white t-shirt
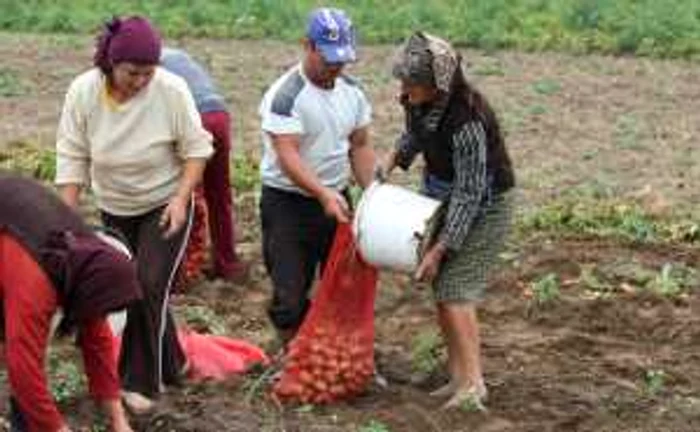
[[132, 154], [324, 120]]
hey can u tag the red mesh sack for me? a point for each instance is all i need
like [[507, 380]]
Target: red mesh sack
[[218, 357], [198, 243], [212, 357], [332, 356]]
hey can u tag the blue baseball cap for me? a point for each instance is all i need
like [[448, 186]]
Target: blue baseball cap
[[332, 33]]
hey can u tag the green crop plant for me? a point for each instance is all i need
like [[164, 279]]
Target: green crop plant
[[546, 289], [426, 351], [374, 426], [643, 27]]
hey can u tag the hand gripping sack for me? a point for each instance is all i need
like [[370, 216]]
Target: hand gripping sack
[[332, 356]]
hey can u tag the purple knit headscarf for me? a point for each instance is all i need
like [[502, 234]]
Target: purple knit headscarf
[[131, 39]]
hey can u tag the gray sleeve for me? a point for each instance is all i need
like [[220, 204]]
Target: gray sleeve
[[469, 159]]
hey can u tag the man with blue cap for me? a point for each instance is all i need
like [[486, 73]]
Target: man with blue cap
[[315, 123]]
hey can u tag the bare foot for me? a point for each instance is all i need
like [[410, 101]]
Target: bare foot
[[137, 403]]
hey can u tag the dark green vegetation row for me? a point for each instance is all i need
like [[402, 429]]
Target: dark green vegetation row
[[660, 28]]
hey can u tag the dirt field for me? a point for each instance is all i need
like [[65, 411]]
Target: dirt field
[[603, 354]]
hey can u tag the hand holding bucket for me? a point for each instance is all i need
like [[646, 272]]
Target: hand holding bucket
[[390, 225]]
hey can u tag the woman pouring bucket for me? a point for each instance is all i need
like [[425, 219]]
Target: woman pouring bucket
[[465, 182]]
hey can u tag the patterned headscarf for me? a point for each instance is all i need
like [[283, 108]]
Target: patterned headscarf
[[426, 59]]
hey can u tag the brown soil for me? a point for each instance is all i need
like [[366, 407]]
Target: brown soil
[[582, 362], [579, 363]]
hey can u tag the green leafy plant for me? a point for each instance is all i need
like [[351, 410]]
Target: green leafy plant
[[472, 404], [545, 290], [202, 319], [45, 168], [305, 409], [609, 218], [645, 28], [673, 280], [426, 350], [684, 231], [244, 173], [11, 84], [546, 87], [654, 381], [258, 378], [627, 271], [66, 380], [593, 281], [102, 425], [374, 426], [29, 159]]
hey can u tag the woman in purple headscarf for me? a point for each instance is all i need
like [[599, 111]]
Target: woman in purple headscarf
[[131, 130]]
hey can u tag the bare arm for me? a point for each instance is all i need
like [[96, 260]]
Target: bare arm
[[287, 148], [362, 156], [97, 345], [191, 176], [175, 214]]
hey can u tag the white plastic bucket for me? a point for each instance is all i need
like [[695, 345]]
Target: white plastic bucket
[[390, 224]]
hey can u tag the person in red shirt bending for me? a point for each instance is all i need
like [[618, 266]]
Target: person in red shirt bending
[[50, 259]]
